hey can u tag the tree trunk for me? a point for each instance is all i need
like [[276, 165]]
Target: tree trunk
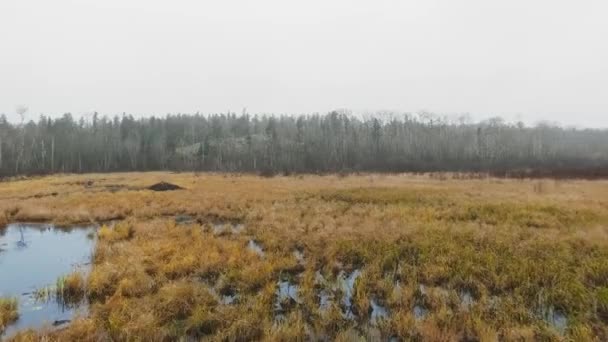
[[53, 154]]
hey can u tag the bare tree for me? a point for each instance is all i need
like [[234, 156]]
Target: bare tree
[[21, 111], [133, 147]]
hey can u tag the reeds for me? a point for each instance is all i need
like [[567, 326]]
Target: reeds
[[70, 288], [9, 312]]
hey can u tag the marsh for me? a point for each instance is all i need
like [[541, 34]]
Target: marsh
[[399, 257]]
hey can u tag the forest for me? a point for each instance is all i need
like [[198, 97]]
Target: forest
[[318, 143]]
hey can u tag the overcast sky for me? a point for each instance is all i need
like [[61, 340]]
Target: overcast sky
[[520, 59]]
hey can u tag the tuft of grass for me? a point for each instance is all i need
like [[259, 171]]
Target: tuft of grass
[[602, 303], [103, 281], [120, 231], [136, 283], [70, 289], [177, 301], [9, 312]]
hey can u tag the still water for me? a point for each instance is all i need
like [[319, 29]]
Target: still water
[[32, 257]]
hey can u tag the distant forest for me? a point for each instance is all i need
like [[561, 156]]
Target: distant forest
[[333, 142]]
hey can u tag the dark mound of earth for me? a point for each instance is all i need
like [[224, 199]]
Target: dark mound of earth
[[164, 186]]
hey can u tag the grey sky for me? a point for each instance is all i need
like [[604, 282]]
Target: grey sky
[[521, 59]]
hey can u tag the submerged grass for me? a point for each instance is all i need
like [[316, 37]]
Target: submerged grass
[[70, 289], [8, 312], [446, 259]]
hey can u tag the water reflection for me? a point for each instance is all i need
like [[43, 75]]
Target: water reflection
[[32, 259]]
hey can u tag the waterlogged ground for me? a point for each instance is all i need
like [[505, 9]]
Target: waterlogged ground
[[372, 257], [32, 258]]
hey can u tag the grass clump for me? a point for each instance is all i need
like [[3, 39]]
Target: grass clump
[[602, 303], [70, 289], [120, 231], [177, 301], [9, 312]]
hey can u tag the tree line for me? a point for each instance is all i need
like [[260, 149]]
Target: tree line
[[318, 143]]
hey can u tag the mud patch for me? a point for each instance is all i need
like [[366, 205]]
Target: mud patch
[[51, 194], [164, 186], [184, 219], [117, 187]]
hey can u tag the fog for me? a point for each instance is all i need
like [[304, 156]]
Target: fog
[[523, 60]]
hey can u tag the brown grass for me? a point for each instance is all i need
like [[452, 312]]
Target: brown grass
[[71, 288], [8, 312], [516, 247]]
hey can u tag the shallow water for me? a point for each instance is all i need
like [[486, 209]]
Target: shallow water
[[319, 278], [228, 298], [256, 247], [420, 312], [466, 299], [299, 255], [286, 298], [556, 319], [184, 219], [348, 286], [287, 290], [33, 256], [220, 228], [379, 312], [325, 298], [422, 289]]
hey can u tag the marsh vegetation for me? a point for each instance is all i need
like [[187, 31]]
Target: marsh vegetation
[[377, 257]]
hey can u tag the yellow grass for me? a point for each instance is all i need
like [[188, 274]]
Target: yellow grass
[[8, 312], [517, 248]]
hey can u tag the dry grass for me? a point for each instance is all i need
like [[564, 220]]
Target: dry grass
[[8, 312], [514, 249], [70, 289]]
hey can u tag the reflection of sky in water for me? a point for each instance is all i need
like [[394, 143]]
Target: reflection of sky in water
[[466, 299], [299, 256], [223, 227], [33, 257], [287, 293], [348, 286], [556, 319], [255, 247], [379, 312], [420, 312], [287, 290], [325, 298]]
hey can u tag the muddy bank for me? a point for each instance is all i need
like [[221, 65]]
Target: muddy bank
[[164, 186]]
